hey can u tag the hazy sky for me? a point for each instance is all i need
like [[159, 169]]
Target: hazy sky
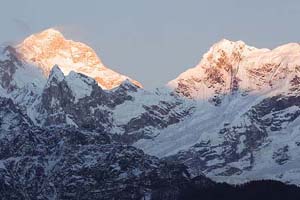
[[155, 40]]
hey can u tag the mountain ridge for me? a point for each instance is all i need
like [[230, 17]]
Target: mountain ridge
[[228, 65], [234, 118]]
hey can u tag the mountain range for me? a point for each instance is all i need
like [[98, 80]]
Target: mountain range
[[71, 127]]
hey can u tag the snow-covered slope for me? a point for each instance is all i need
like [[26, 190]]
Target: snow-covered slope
[[242, 139], [19, 80], [49, 48], [246, 123]]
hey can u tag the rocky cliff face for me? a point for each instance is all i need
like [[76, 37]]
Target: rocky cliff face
[[58, 163], [77, 101]]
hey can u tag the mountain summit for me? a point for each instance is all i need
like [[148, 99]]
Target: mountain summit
[[49, 48], [229, 66]]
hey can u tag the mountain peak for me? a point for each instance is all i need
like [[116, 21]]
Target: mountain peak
[[227, 47], [56, 70], [229, 66], [49, 48], [225, 42], [50, 32], [56, 74], [50, 38]]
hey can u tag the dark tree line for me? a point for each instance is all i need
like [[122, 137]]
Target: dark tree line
[[254, 190]]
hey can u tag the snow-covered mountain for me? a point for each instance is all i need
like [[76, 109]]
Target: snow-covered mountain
[[78, 100], [246, 125], [229, 66], [49, 48], [234, 117]]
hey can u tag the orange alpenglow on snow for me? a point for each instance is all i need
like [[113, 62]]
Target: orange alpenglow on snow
[[229, 66], [49, 48]]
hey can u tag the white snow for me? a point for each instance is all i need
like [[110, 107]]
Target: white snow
[[81, 86], [203, 125], [70, 121], [123, 113], [29, 76], [56, 73], [3, 54]]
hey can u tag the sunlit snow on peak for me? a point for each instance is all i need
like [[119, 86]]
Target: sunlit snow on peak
[[50, 47]]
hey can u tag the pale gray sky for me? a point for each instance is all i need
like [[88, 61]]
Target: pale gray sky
[[153, 41]]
